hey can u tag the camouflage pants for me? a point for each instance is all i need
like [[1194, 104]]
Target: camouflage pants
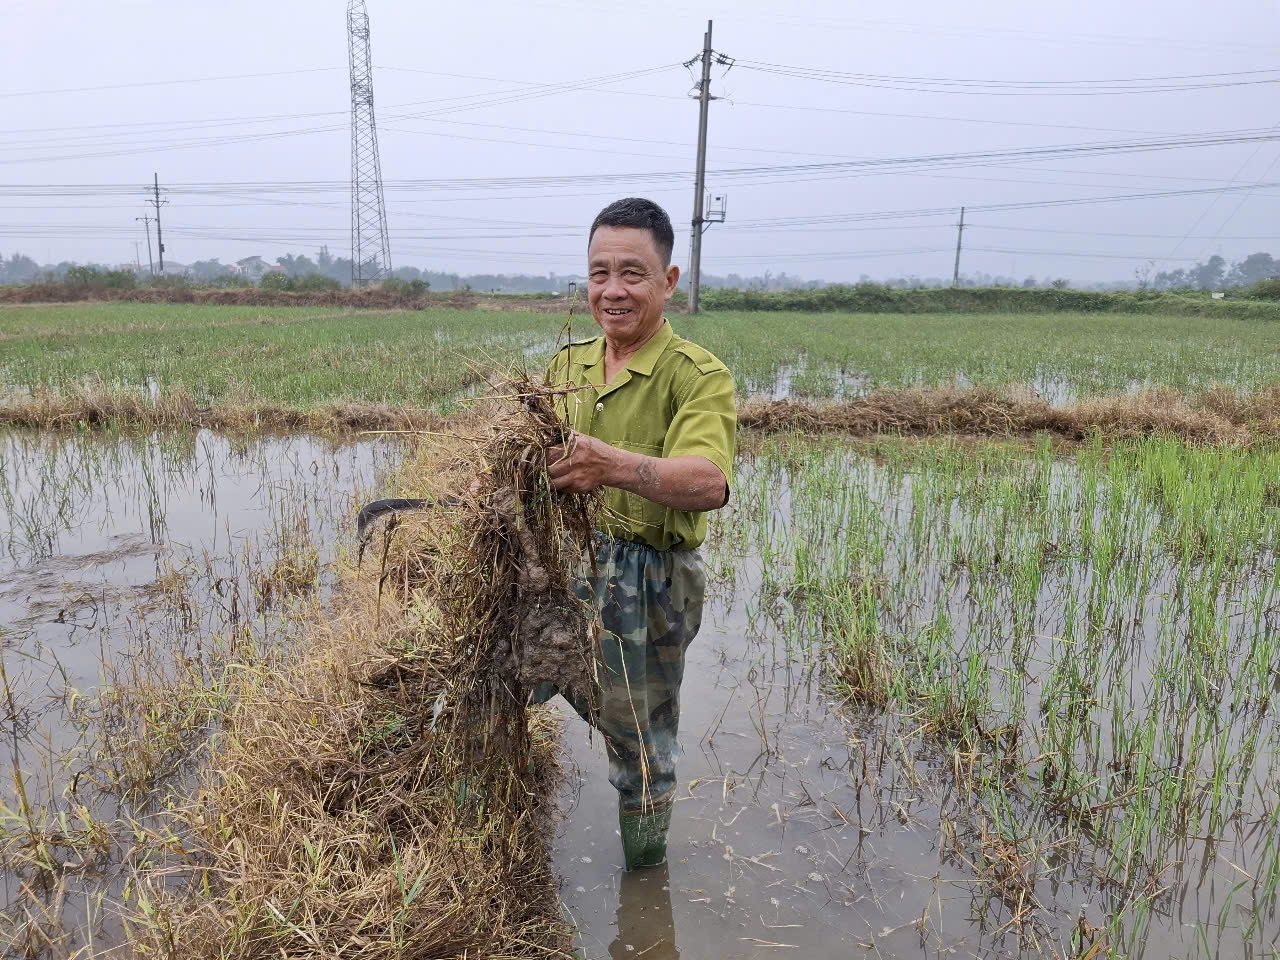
[[650, 604]]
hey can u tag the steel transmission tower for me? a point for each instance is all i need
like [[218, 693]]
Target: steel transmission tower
[[370, 249]]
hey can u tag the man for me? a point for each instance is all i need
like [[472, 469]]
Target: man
[[653, 423]]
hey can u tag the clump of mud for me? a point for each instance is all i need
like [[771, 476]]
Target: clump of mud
[[497, 568], [553, 630]]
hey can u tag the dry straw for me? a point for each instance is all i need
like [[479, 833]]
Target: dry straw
[[385, 792], [1219, 415]]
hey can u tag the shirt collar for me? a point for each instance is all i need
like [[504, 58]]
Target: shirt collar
[[645, 358], [591, 355]]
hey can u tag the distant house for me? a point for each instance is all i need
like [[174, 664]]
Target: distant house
[[252, 268]]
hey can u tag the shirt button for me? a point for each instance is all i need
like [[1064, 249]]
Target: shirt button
[[599, 408]]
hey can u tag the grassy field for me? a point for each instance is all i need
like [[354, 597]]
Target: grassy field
[[301, 357]]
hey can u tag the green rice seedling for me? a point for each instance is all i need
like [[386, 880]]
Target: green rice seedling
[[1091, 638]]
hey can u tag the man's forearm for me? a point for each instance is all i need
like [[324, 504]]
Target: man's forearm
[[681, 483]]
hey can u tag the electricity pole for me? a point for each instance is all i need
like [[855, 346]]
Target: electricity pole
[[150, 263], [704, 100], [159, 236], [955, 277], [370, 248]]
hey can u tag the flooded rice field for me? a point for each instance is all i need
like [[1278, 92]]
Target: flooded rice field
[[803, 379], [122, 559], [949, 699], [1053, 678]]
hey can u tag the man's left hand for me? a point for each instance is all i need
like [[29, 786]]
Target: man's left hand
[[583, 465]]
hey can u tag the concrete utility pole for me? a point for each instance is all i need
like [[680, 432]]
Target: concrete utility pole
[[955, 276], [150, 263], [699, 188], [159, 236]]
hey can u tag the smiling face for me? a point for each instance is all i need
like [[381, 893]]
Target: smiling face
[[627, 284]]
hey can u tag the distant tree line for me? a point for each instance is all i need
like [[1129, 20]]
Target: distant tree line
[[1213, 274], [326, 272]]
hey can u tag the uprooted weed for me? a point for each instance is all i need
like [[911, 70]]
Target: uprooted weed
[[382, 791]]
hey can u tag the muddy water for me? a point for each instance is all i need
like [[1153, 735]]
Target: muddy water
[[776, 844], [93, 530], [801, 380], [112, 547]]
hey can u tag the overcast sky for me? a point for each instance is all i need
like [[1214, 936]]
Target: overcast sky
[[461, 93]]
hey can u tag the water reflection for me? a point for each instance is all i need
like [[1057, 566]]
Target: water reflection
[[644, 921]]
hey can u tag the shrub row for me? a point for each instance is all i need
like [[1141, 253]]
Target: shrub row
[[877, 298]]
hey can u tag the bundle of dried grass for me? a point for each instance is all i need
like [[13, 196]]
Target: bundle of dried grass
[[384, 794], [1216, 417], [921, 412], [498, 567], [97, 405], [1219, 415]]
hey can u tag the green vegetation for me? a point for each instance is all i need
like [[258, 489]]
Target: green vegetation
[[1088, 645], [298, 357], [1265, 290], [94, 277], [310, 283], [878, 298], [1060, 666], [304, 356]]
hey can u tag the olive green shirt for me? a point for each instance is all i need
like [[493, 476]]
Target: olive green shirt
[[673, 399]]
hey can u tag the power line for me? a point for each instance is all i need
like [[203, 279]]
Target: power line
[[535, 87], [767, 173], [1021, 87], [925, 212], [165, 83], [985, 31], [1078, 254], [1212, 202], [442, 106], [226, 121], [1248, 193], [1134, 236]]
